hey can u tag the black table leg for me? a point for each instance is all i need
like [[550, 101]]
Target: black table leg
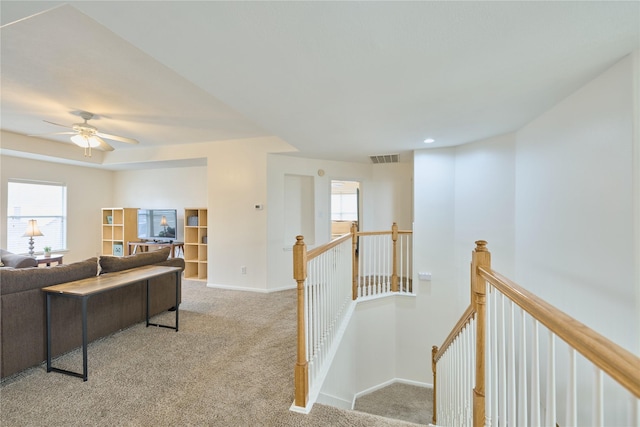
[[177, 309], [178, 278], [148, 303], [85, 340], [48, 332]]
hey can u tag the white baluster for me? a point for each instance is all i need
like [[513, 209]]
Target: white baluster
[[364, 255], [502, 419], [494, 357], [550, 416], [385, 264], [535, 377], [379, 265], [372, 266], [572, 410], [470, 362], [462, 404], [511, 412], [401, 261], [361, 267], [488, 359], [598, 410], [522, 375]]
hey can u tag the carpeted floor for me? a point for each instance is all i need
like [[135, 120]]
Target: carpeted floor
[[399, 401], [231, 364]]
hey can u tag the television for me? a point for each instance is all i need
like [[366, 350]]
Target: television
[[158, 224]]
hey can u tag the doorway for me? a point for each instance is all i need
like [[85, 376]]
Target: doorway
[[345, 206]]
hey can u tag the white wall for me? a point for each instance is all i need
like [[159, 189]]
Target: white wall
[[365, 360], [557, 201], [485, 188], [576, 209], [377, 184], [299, 209], [88, 190], [237, 231], [462, 195], [574, 206], [170, 188], [391, 188], [433, 241]]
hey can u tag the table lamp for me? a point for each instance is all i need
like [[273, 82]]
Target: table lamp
[[163, 222], [32, 230]]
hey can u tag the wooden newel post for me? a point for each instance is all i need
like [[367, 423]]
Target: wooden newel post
[[394, 271], [302, 367], [434, 351], [354, 260], [481, 257]]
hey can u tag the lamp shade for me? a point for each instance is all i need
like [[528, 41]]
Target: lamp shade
[[163, 221], [32, 229], [85, 141]]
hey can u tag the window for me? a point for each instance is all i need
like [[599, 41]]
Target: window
[[43, 201], [344, 200]]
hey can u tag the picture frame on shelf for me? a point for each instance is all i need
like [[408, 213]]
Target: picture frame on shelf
[[118, 249]]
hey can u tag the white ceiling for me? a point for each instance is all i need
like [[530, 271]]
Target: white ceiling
[[336, 80]]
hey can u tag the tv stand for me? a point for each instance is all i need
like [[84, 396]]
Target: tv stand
[[145, 246]]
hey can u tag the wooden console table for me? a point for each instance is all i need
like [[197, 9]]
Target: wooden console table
[[145, 246], [85, 288], [47, 260]]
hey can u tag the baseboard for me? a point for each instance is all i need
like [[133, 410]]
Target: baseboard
[[246, 289], [336, 402]]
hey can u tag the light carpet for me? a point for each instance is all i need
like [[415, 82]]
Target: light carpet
[[231, 364], [399, 401]]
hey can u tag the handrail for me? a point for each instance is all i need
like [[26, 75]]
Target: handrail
[[462, 322], [620, 364], [327, 246], [380, 233]]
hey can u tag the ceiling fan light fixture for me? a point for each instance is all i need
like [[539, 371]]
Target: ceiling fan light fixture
[[85, 141]]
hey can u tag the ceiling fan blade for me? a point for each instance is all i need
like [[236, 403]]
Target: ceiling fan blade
[[117, 138], [103, 145], [54, 133], [58, 124]]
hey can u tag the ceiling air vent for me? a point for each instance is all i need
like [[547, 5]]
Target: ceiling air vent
[[384, 158]]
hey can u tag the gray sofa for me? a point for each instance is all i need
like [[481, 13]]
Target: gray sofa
[[22, 306]]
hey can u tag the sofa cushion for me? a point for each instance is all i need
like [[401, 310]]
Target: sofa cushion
[[110, 264], [22, 279], [16, 261]]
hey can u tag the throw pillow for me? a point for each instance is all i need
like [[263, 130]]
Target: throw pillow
[[110, 264]]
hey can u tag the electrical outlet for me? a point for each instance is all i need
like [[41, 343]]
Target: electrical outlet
[[424, 276], [243, 270]]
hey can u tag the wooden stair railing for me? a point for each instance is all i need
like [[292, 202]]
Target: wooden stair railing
[[492, 408], [323, 281]]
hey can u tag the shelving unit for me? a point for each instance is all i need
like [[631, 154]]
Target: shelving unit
[[195, 243], [119, 226]]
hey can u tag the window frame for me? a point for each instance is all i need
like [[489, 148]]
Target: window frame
[[19, 244]]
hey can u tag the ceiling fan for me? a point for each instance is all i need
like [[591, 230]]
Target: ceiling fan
[[88, 136]]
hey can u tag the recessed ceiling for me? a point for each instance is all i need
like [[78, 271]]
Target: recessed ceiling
[[336, 80]]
